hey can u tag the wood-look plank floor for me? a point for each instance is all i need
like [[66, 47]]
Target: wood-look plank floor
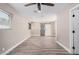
[[39, 46]]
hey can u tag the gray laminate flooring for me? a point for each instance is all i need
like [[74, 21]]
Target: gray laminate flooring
[[39, 46]]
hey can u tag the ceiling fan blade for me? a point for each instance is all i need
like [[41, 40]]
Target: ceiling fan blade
[[39, 6], [29, 4], [48, 4]]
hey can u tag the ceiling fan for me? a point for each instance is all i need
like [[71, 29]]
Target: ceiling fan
[[39, 5]]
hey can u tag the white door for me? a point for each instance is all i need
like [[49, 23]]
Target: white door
[[75, 27], [48, 30]]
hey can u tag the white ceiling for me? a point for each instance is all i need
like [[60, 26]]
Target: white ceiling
[[46, 10]]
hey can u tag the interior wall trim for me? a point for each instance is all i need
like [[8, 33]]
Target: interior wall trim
[[63, 46], [9, 50]]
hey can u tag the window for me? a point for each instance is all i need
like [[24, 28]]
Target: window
[[5, 19]]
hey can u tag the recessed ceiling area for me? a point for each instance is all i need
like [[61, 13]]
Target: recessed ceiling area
[[46, 11]]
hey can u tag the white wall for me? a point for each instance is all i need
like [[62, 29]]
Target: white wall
[[63, 28], [48, 30], [35, 30], [18, 31], [53, 28]]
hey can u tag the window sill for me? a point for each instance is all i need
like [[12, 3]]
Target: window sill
[[4, 27]]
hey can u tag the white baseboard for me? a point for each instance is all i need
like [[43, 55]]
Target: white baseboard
[[69, 51], [9, 50]]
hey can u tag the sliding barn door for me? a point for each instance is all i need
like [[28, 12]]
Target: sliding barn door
[[75, 31]]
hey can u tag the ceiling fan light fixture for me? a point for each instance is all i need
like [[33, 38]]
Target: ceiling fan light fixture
[[37, 11], [39, 6]]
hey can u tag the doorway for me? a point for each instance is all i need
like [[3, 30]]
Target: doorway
[[46, 29], [43, 29]]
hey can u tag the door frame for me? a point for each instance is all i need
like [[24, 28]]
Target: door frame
[[70, 28], [55, 21]]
